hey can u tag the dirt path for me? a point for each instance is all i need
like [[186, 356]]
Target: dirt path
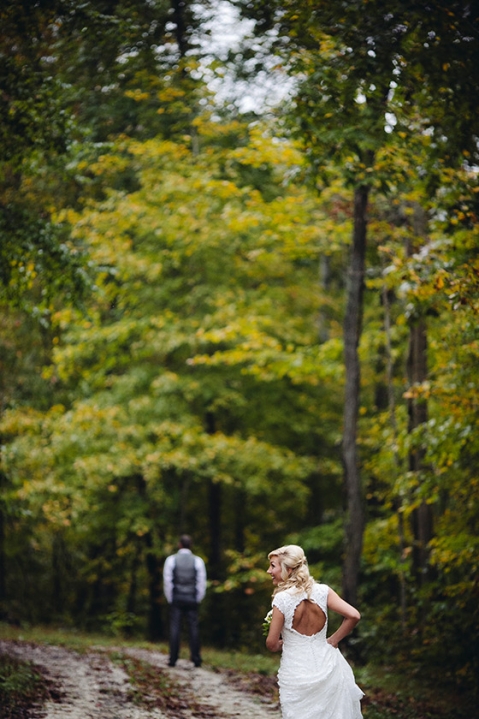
[[91, 686]]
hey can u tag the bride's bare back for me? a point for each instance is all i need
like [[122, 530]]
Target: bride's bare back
[[308, 618]]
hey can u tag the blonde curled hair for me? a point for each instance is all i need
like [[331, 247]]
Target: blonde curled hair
[[294, 569]]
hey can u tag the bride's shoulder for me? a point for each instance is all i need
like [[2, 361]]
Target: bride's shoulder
[[283, 594], [319, 588], [284, 599]]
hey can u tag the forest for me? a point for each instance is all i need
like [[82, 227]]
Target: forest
[[253, 322]]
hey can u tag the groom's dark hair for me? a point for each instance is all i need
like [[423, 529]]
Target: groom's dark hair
[[185, 541]]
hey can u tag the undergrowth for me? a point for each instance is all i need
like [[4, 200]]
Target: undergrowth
[[22, 688]]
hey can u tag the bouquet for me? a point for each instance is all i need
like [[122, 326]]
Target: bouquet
[[267, 622]]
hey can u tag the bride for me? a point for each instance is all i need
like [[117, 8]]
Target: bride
[[315, 681]]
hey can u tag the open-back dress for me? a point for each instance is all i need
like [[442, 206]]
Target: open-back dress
[[315, 680]]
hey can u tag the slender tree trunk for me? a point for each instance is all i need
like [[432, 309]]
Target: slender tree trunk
[[240, 519], [218, 614], [397, 461], [417, 370], [132, 589], [324, 282], [155, 619], [58, 573], [178, 8], [3, 565], [214, 504], [185, 486], [352, 334], [214, 499], [155, 624], [422, 519]]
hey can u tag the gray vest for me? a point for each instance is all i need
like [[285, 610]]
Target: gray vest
[[184, 578]]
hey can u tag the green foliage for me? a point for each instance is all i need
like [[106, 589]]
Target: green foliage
[[195, 366], [77, 75], [425, 284], [21, 687]]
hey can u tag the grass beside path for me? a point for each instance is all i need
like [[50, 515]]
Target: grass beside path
[[22, 688], [389, 694]]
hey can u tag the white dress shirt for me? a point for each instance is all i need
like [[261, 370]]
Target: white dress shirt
[[168, 576]]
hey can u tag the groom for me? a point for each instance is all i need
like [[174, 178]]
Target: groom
[[184, 585]]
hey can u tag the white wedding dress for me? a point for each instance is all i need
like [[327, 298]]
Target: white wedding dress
[[315, 680]]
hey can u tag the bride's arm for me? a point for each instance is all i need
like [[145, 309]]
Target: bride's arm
[[273, 641], [350, 614]]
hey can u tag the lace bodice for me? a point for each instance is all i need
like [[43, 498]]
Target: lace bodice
[[288, 600]]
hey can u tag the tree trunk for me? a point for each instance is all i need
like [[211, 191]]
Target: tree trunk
[[422, 520], [352, 334], [214, 504], [183, 512], [422, 517], [133, 587], [155, 624], [3, 566], [58, 574], [218, 615], [155, 620], [397, 460], [240, 519], [324, 283], [214, 499], [178, 8]]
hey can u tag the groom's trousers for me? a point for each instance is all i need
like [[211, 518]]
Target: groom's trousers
[[178, 610]]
